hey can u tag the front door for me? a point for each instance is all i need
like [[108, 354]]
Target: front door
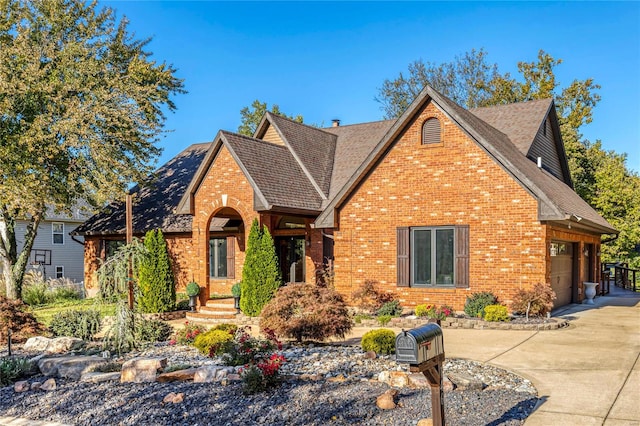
[[291, 258]]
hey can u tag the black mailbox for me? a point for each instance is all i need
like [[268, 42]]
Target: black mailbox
[[419, 344]]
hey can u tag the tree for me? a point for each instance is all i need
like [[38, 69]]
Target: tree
[[81, 106], [250, 117], [260, 273], [155, 277]]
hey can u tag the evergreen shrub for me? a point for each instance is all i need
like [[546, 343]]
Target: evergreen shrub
[[495, 313], [381, 341], [475, 304], [83, 324], [211, 343], [155, 276]]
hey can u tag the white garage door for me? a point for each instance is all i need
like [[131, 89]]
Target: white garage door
[[562, 272]]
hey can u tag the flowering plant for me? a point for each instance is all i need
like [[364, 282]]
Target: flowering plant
[[186, 335], [245, 349], [432, 311]]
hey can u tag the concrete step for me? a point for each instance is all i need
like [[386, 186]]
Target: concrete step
[[212, 310], [210, 319], [220, 303]]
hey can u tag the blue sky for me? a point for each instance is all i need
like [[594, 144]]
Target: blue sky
[[327, 60]]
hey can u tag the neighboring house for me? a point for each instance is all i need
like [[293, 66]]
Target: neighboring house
[[434, 206], [56, 253]]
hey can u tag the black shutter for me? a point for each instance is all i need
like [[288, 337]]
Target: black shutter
[[462, 256], [403, 263], [231, 257]]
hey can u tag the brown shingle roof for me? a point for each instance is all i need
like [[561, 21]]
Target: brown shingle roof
[[519, 121], [154, 201], [275, 172]]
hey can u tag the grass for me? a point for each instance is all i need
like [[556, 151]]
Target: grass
[[45, 313]]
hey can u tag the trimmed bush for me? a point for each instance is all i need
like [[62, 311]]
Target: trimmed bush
[[153, 331], [83, 324], [475, 304], [535, 302], [155, 277], [384, 319], [392, 308], [307, 311], [260, 273], [229, 328], [212, 342], [381, 341], [495, 313]]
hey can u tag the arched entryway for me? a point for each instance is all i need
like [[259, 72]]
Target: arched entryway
[[225, 250]]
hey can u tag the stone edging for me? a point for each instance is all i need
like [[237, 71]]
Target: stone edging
[[471, 323]]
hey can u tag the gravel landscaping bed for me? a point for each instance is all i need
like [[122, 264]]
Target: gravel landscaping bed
[[345, 396]]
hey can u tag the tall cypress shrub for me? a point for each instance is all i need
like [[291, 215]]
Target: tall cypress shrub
[[260, 273], [155, 277]]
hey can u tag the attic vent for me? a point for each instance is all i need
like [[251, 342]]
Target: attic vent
[[431, 131]]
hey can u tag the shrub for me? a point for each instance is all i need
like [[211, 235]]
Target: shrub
[[13, 316], [369, 298], [245, 349], [424, 310], [15, 368], [381, 341], [152, 331], [186, 335], [107, 367], [260, 273], [121, 337], [384, 319], [83, 324], [229, 328], [259, 376], [392, 308], [307, 311], [61, 294], [236, 290], [176, 367], [535, 302], [35, 294], [192, 289], [432, 311], [182, 305], [359, 317], [494, 313], [155, 277], [475, 304], [212, 342]]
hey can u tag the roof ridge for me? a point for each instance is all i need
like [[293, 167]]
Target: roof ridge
[[309, 126], [252, 139], [511, 104], [359, 124]]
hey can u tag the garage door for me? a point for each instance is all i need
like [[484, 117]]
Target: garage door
[[562, 272]]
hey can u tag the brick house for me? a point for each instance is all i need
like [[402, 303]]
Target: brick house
[[436, 205]]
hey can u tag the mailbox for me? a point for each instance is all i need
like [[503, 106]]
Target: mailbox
[[419, 344]]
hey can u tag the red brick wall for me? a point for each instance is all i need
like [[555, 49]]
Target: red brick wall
[[225, 185], [453, 183]]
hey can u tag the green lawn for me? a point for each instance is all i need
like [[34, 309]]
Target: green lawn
[[45, 313]]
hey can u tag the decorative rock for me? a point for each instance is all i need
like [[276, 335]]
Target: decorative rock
[[21, 386], [425, 422], [141, 370], [36, 344], [384, 376], [177, 376], [61, 345], [417, 380], [447, 385], [74, 367], [398, 379], [386, 400], [337, 379], [36, 385], [464, 381], [370, 355], [49, 366], [100, 377], [48, 385], [209, 374], [175, 398]]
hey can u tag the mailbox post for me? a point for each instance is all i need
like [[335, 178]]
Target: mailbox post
[[423, 348]]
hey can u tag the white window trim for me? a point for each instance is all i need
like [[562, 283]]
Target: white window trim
[[412, 255], [61, 269], [53, 233]]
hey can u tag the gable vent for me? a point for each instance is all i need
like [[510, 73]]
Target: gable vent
[[431, 131]]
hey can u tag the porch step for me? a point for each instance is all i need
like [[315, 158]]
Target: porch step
[[213, 310], [209, 318]]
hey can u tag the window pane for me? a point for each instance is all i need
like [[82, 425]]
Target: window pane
[[58, 227], [58, 239], [422, 257], [222, 258], [444, 256]]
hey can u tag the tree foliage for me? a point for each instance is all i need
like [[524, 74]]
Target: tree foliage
[[600, 177], [81, 106], [155, 277], [250, 117], [261, 276]]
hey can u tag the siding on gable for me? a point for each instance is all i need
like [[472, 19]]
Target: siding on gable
[[272, 136], [544, 145], [454, 184]]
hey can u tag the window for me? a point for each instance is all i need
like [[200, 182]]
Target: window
[[57, 230], [431, 131], [59, 271], [218, 258], [433, 256]]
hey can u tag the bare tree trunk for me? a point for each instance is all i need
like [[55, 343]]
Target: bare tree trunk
[[14, 264]]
